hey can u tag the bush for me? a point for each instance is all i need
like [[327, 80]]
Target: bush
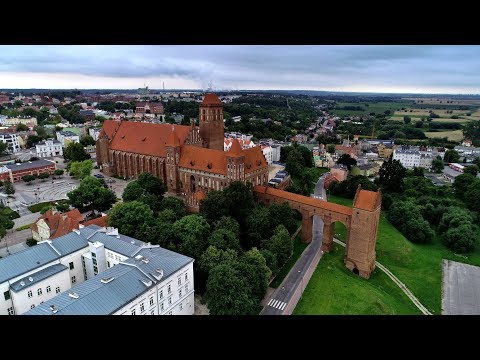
[[31, 242]]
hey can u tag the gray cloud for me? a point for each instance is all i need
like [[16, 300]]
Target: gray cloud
[[453, 68]]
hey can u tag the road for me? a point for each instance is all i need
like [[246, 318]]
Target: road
[[460, 288], [284, 298]]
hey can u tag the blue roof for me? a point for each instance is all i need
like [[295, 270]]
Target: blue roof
[[30, 164], [37, 277], [122, 244], [26, 260], [97, 298]]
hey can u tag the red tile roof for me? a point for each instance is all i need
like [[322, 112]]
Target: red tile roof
[[60, 224], [236, 149], [366, 200], [211, 99], [100, 221], [197, 158], [304, 200], [172, 139], [110, 126], [254, 159], [146, 138]]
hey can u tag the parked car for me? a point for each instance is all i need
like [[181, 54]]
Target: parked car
[[100, 176]]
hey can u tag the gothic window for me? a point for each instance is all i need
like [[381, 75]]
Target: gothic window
[[192, 184]]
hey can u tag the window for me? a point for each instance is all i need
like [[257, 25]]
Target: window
[[142, 307], [181, 306], [32, 306], [186, 288], [162, 307], [133, 312], [108, 263], [57, 290], [71, 266], [179, 281], [169, 289], [94, 261], [6, 294], [74, 279], [10, 311], [186, 276], [151, 301], [180, 293], [30, 294], [49, 289], [94, 255], [169, 300], [161, 294], [39, 291]]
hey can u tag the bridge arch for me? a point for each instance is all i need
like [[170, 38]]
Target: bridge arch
[[361, 222]]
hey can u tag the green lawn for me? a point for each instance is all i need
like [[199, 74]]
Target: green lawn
[[333, 289], [416, 265], [378, 108], [37, 207], [298, 247]]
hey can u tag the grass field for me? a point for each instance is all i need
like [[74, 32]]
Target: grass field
[[298, 247], [418, 266], [378, 108], [425, 112], [436, 120], [455, 135], [333, 290]]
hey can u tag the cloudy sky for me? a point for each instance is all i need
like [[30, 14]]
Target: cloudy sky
[[398, 68]]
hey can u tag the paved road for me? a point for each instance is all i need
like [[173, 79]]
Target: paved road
[[397, 281], [460, 289], [284, 294]]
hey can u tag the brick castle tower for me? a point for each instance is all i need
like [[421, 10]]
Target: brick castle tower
[[211, 122]]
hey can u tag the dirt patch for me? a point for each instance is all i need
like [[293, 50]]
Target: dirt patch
[[200, 309]]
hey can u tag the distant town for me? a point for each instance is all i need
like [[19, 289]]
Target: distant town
[[197, 202]]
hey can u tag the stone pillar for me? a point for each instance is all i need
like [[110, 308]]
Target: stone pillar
[[328, 229], [307, 225]]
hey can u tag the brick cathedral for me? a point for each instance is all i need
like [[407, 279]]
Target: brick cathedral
[[190, 160]]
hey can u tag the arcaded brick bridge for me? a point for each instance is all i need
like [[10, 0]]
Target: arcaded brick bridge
[[361, 222]]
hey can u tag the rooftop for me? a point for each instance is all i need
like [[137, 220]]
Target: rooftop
[[34, 278], [30, 164], [129, 279]]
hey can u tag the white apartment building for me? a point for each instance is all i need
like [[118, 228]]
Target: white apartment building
[[19, 120], [94, 132], [66, 136], [49, 148], [411, 157], [55, 277], [268, 153], [12, 142]]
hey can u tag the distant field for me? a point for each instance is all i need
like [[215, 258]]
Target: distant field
[[456, 135], [436, 120], [435, 101], [425, 112], [378, 108]]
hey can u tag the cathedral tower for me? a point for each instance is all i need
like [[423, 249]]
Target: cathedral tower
[[211, 122]]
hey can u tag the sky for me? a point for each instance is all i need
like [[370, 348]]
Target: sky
[[357, 68]]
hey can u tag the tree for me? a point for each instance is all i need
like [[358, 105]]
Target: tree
[[28, 178], [255, 269], [22, 127], [391, 176], [224, 239], [92, 194], [347, 160], [407, 120], [257, 227], [461, 184], [472, 131], [295, 162], [81, 169], [58, 172], [133, 191], [331, 148], [271, 261], [87, 140], [192, 232], [175, 204], [279, 244], [3, 147], [472, 169], [282, 214], [214, 206], [476, 161], [147, 189], [451, 156], [9, 188], [437, 164], [32, 140], [75, 152], [461, 239], [167, 215], [453, 218], [62, 207], [227, 223], [228, 292], [43, 175], [131, 218], [213, 257], [418, 171], [472, 196]]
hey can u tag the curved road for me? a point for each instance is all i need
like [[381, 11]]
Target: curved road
[[285, 297]]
